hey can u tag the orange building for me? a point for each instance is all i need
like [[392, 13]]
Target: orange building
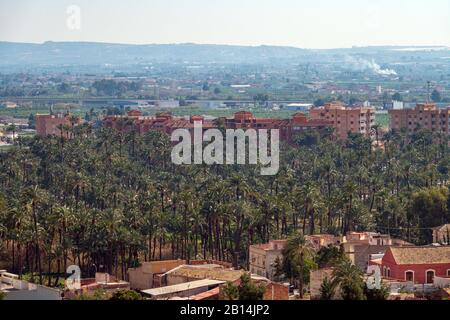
[[165, 122], [423, 116], [50, 124], [346, 119], [288, 127]]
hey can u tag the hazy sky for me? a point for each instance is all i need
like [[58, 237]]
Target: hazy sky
[[300, 23]]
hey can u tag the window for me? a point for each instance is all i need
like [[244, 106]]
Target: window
[[409, 276], [448, 273], [430, 276], [388, 274]]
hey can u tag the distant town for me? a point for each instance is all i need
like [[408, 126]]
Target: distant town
[[92, 208]]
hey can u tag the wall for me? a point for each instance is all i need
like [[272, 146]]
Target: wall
[[257, 261], [141, 278], [398, 271], [359, 254], [271, 256], [442, 282], [276, 291], [316, 279], [173, 279]]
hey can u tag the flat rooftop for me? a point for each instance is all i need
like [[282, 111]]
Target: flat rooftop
[[155, 292], [211, 271]]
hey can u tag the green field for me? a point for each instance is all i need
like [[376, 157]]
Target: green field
[[382, 119]]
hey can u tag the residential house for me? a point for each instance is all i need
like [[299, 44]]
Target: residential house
[[360, 246], [415, 264], [143, 276], [150, 274], [262, 257]]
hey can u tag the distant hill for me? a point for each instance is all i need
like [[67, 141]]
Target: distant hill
[[50, 54], [87, 53]]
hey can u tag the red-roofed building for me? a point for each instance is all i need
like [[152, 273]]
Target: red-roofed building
[[416, 264], [165, 122]]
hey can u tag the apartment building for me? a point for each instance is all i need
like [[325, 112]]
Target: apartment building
[[423, 116], [165, 122], [51, 124], [346, 119], [288, 128]]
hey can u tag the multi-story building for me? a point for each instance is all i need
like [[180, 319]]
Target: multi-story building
[[346, 119], [51, 124], [165, 122], [262, 257], [360, 246], [423, 116]]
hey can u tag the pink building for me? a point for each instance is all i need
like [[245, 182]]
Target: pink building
[[346, 119], [50, 124], [424, 116]]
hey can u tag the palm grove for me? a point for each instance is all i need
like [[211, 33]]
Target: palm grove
[[104, 198]]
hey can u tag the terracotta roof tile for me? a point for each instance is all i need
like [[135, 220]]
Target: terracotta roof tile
[[421, 255]]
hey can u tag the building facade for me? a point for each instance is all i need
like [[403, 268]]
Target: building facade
[[360, 246], [423, 116], [346, 119], [415, 264], [165, 122], [262, 258], [51, 124]]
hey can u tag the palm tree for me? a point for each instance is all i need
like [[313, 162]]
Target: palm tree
[[350, 280], [298, 260]]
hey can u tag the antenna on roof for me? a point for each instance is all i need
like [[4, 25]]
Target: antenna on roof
[[428, 91]]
